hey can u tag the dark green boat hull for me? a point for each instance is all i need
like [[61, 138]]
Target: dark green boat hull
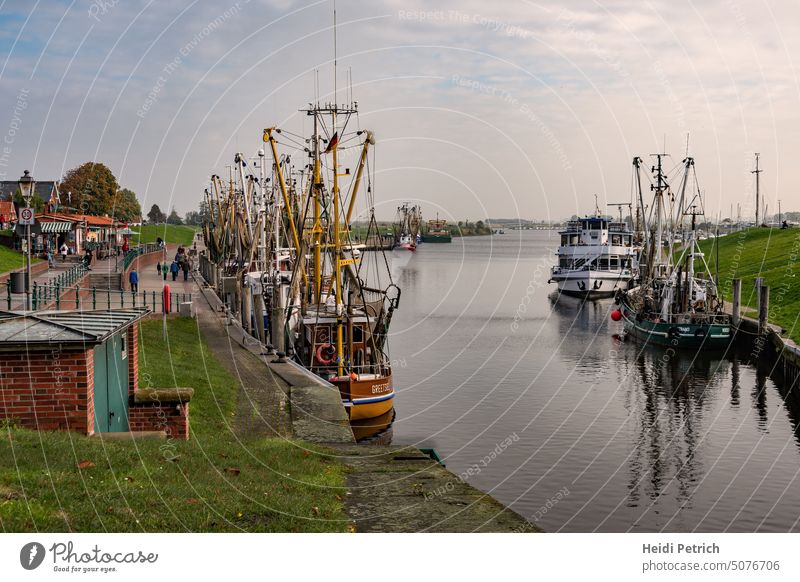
[[706, 336], [437, 238]]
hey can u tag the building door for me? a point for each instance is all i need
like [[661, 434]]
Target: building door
[[111, 385]]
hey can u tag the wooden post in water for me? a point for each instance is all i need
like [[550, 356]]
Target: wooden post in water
[[736, 310], [763, 308]]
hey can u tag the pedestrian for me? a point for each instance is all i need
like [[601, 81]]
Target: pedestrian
[[165, 269], [174, 269], [134, 279], [50, 262], [158, 267], [185, 267], [64, 250]]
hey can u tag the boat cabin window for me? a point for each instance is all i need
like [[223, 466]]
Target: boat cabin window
[[604, 263], [358, 334], [565, 263], [564, 240], [613, 262], [616, 239]]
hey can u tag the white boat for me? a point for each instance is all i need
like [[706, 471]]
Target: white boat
[[596, 258]]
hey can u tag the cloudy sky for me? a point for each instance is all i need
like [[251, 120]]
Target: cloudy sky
[[501, 109]]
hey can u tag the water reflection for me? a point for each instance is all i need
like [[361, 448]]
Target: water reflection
[[374, 431], [668, 394]]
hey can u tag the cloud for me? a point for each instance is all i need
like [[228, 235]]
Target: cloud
[[555, 98]]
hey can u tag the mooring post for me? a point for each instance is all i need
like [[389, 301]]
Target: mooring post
[[763, 308], [737, 301]]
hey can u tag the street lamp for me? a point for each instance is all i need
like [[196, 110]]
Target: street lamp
[[26, 189]]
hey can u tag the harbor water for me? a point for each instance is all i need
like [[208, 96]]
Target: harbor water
[[540, 402]]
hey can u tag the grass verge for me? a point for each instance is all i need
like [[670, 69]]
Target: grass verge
[[217, 481], [11, 259], [170, 233], [761, 252]]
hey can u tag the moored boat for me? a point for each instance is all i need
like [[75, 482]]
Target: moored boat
[[437, 232], [596, 258], [678, 304]]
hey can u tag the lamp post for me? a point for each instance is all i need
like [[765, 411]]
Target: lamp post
[[26, 189]]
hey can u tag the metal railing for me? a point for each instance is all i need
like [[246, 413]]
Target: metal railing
[[137, 251], [67, 297], [63, 280]]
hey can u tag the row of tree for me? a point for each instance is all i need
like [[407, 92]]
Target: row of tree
[[193, 217]]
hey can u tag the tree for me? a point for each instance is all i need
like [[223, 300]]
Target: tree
[[36, 202], [155, 216], [193, 218], [126, 207], [174, 218], [93, 188]]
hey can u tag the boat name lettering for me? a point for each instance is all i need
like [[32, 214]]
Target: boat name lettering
[[378, 388]]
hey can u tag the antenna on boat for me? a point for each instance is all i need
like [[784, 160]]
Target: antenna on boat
[[757, 171], [335, 55]]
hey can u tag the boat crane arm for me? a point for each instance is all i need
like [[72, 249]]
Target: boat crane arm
[[361, 162], [282, 183]]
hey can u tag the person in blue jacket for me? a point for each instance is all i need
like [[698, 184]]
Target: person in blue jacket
[[174, 270], [134, 279]]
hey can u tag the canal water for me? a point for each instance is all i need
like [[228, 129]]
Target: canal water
[[538, 401]]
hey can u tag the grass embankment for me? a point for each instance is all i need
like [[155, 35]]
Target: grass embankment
[[170, 233], [11, 259], [773, 254], [216, 482]]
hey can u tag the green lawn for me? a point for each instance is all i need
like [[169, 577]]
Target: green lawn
[[171, 233], [10, 259], [762, 252], [216, 482]]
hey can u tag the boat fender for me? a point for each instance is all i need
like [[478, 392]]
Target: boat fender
[[597, 285], [581, 285], [325, 354]]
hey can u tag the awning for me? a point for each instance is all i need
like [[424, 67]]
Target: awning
[[55, 227]]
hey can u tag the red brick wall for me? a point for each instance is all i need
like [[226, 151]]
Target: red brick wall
[[167, 416], [48, 389], [133, 358]]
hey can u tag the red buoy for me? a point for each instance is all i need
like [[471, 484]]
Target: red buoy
[[616, 315]]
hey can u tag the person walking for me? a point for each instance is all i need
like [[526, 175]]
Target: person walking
[[185, 267], [134, 279], [64, 250], [174, 269], [50, 262], [165, 269], [158, 268]]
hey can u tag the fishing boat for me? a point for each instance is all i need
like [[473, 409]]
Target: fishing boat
[[596, 258], [406, 227], [437, 232], [678, 304], [336, 323]]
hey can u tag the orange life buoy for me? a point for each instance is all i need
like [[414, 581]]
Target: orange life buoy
[[325, 354]]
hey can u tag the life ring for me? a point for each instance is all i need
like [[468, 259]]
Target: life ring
[[325, 354]]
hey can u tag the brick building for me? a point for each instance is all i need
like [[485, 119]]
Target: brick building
[[78, 370]]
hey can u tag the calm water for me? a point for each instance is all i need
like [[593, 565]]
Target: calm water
[[484, 353]]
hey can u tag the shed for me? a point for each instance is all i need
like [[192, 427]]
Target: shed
[[78, 370]]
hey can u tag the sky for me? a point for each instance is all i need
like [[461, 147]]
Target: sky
[[506, 109]]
